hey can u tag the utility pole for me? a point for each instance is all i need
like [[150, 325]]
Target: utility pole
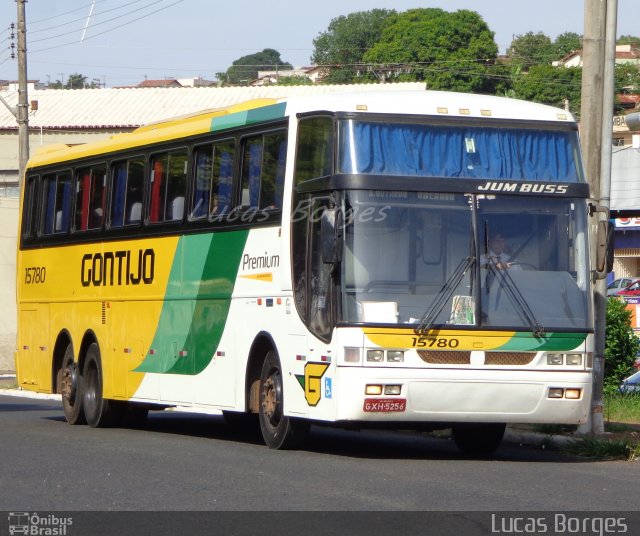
[[23, 102], [596, 112]]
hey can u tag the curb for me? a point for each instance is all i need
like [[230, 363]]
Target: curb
[[29, 394]]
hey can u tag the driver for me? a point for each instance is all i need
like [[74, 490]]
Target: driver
[[497, 255]]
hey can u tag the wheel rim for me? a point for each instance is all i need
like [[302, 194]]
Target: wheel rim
[[272, 398], [69, 384]]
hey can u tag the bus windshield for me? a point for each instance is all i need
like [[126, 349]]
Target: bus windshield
[[464, 260], [460, 151]]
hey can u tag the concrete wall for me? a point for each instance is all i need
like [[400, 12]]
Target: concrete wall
[[8, 324]]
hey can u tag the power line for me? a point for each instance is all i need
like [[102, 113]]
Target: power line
[[81, 8], [107, 21], [84, 18]]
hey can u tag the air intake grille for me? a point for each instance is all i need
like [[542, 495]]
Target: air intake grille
[[436, 357], [508, 358]]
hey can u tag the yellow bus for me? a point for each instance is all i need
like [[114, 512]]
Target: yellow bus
[[329, 260]]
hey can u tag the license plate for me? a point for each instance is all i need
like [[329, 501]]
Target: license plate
[[384, 404]]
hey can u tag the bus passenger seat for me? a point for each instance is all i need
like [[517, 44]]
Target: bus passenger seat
[[135, 214], [177, 208]]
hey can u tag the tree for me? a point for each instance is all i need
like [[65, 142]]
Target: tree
[[550, 85], [294, 81], [342, 47], [245, 69], [629, 40], [565, 44], [450, 51], [75, 81], [621, 344], [627, 81], [530, 49]]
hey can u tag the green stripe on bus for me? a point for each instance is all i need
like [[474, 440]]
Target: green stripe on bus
[[197, 303], [552, 342], [264, 113]]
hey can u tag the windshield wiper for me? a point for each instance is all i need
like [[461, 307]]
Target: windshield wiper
[[445, 293], [513, 292]]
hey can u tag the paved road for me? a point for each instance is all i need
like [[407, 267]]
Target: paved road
[[192, 462]]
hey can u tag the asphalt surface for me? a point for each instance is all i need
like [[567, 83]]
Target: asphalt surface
[[197, 462]]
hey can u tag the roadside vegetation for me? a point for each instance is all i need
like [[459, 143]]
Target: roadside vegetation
[[448, 50], [621, 411]]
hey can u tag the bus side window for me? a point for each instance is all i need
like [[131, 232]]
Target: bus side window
[[222, 180], [126, 199], [29, 214], [168, 180], [202, 189], [273, 166], [90, 197], [176, 186], [57, 203], [251, 167], [263, 169]]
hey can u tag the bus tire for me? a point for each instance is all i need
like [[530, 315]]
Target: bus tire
[[478, 439], [98, 411], [71, 389], [278, 430]]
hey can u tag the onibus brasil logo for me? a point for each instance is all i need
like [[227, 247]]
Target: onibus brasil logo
[[38, 525]]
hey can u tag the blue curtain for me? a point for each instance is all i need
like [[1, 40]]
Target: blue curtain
[[255, 169], [282, 161], [49, 213], [203, 184], [225, 181], [119, 189], [465, 152]]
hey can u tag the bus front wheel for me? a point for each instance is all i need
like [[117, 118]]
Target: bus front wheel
[[98, 411], [278, 430], [478, 439], [71, 389]]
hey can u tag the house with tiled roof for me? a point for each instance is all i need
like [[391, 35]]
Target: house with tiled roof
[[625, 54]]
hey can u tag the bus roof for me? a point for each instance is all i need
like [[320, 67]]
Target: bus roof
[[430, 103]]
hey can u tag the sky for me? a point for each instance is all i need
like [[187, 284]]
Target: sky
[[127, 41]]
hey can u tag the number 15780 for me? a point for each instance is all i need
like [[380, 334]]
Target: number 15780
[[434, 342], [35, 275]]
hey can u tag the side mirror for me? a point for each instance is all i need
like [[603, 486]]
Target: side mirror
[[604, 249]]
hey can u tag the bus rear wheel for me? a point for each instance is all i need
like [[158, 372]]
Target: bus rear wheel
[[478, 439], [278, 430], [71, 389], [98, 411]]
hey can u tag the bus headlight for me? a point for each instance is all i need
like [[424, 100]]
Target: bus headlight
[[375, 355], [574, 359], [395, 356], [554, 359]]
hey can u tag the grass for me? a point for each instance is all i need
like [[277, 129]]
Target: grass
[[622, 408], [622, 440], [603, 449]]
